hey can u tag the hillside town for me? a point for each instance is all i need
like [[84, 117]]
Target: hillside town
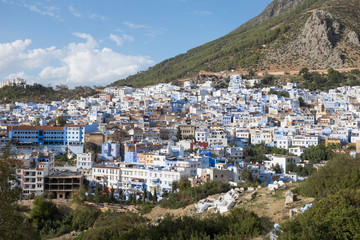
[[130, 140]]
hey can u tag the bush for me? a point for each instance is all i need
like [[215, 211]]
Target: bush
[[238, 224], [304, 171], [316, 154], [335, 217], [115, 226], [341, 172], [44, 213], [146, 207], [190, 195], [84, 217]]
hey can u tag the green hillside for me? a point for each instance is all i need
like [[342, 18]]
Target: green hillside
[[241, 48], [40, 94], [245, 47]]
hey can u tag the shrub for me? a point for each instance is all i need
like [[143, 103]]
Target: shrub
[[190, 195], [335, 217], [341, 172], [238, 224], [84, 217]]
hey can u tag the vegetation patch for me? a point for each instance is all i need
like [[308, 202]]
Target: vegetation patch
[[334, 217], [188, 195], [238, 224], [341, 172]]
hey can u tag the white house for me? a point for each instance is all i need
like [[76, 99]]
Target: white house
[[282, 160], [85, 160]]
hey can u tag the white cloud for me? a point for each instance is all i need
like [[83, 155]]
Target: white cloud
[[16, 56], [128, 37], [149, 30], [74, 12], [29, 78], [37, 7], [135, 26], [78, 14], [119, 40], [202, 12], [11, 52], [94, 15], [82, 63]]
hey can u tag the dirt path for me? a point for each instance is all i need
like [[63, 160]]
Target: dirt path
[[271, 204], [271, 71]]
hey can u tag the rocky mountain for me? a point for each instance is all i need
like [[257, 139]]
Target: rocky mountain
[[287, 35], [274, 9], [323, 43]]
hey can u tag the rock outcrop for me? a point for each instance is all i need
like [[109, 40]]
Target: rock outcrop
[[318, 44], [319, 39], [274, 9], [321, 43], [353, 38]]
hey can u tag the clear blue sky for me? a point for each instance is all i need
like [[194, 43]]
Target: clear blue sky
[[93, 42]]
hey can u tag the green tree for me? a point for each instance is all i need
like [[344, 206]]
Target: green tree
[[89, 197], [145, 195], [112, 195], [289, 167], [302, 103], [318, 153], [121, 195], [97, 193], [268, 80], [245, 175], [251, 74], [184, 184], [13, 225], [36, 122], [339, 173], [174, 186], [44, 212], [134, 199], [351, 147], [165, 194], [335, 217], [256, 153], [303, 71], [150, 196], [276, 168], [139, 200], [178, 134], [61, 121], [237, 224], [79, 196], [130, 199], [155, 198], [83, 217]]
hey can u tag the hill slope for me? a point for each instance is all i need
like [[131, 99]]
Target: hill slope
[[288, 34]]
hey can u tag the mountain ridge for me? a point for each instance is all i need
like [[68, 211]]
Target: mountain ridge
[[271, 41]]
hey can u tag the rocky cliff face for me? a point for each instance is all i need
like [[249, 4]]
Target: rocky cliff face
[[322, 43], [353, 38], [274, 9]]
